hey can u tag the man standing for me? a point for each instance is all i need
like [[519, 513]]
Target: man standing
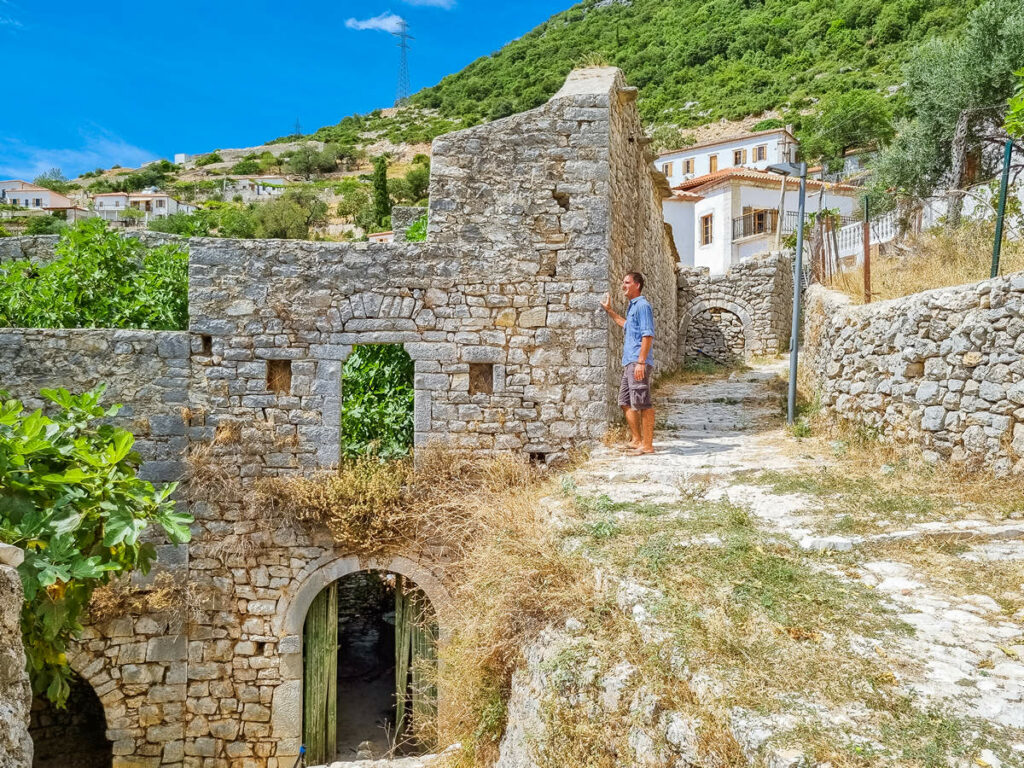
[[637, 361]]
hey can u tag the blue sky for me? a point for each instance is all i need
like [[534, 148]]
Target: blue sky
[[93, 84]]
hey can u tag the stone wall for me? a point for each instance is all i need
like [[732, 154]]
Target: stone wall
[[40, 248], [756, 295], [943, 369], [403, 217], [639, 239], [15, 690], [532, 219]]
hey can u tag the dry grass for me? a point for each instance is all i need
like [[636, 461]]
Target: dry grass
[[867, 486], [179, 600], [506, 574], [933, 260]]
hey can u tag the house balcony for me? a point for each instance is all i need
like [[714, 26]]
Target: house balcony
[[755, 224]]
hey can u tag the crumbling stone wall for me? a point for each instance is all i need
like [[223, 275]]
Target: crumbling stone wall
[[639, 240], [403, 217], [943, 369], [15, 690], [523, 240], [756, 294], [40, 248]]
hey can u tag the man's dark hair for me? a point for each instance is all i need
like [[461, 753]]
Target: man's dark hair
[[637, 278]]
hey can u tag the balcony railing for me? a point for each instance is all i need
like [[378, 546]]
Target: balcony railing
[[763, 222]]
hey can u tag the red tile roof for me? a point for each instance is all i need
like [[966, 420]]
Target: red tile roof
[[699, 183]]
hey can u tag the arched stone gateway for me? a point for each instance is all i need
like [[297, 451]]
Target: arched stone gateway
[[287, 704], [73, 737], [721, 331]]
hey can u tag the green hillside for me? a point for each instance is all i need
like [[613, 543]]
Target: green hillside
[[699, 60]]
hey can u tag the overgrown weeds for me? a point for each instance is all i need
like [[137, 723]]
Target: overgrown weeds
[[176, 598], [933, 259]]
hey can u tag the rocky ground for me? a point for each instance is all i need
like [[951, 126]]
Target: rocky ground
[[797, 602], [763, 599]]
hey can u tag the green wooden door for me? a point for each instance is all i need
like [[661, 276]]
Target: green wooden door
[[320, 684], [415, 663]]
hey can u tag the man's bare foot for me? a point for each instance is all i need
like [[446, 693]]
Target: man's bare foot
[[641, 451]]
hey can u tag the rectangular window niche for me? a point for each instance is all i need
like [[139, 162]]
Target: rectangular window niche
[[279, 376]]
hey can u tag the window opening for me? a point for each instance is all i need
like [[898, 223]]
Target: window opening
[[377, 402], [706, 231], [481, 378], [279, 376]]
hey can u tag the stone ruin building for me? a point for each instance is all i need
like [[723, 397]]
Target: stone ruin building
[[531, 220]]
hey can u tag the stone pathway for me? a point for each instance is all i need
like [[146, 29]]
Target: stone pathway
[[964, 651]]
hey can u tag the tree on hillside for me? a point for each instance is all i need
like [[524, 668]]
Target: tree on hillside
[[845, 121], [291, 216], [53, 179], [957, 91], [381, 198]]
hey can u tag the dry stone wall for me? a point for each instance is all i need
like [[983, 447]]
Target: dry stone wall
[[755, 296], [532, 219], [15, 690], [943, 369], [40, 248]]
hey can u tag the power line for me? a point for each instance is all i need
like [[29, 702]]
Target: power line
[[402, 94]]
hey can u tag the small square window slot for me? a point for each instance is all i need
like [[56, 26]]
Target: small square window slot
[[279, 376], [481, 379], [207, 343]]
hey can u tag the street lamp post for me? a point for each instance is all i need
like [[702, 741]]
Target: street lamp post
[[795, 169]]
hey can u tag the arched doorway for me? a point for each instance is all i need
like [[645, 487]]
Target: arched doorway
[[717, 333], [369, 662], [73, 737]]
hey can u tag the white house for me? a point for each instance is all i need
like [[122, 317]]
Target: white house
[[254, 188], [750, 150], [154, 205], [26, 195], [720, 219]]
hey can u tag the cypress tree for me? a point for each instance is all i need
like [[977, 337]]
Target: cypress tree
[[381, 198]]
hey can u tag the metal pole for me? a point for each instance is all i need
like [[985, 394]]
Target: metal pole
[[794, 339], [867, 252], [1001, 214]]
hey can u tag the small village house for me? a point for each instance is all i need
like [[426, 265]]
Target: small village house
[[724, 218], [749, 150], [111, 206]]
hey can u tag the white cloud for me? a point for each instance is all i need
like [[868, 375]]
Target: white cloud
[[100, 149], [7, 21], [386, 22], [446, 4]]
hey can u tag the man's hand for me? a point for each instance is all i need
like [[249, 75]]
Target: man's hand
[[606, 302], [639, 371]]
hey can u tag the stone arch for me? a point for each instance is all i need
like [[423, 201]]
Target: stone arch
[[286, 706], [93, 672], [738, 308]]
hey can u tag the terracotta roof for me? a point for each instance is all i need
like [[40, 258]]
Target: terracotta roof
[[110, 194], [727, 140], [688, 197], [749, 174], [25, 187]]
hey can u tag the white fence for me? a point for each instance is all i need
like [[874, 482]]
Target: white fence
[[851, 237]]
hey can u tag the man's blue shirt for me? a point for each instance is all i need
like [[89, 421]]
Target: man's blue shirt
[[639, 323]]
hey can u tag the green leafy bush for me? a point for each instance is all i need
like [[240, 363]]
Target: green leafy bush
[[45, 225], [377, 402], [98, 279], [209, 159], [70, 498], [417, 233], [247, 165]]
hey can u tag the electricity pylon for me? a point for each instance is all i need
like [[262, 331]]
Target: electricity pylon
[[402, 95]]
